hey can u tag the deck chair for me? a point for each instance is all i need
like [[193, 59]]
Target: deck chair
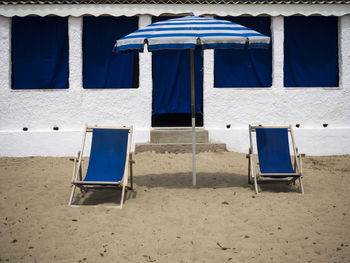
[[108, 162], [275, 161]]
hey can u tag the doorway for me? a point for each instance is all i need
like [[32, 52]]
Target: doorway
[[171, 95]]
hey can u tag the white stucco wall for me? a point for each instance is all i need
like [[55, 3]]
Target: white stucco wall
[[309, 107], [72, 109]]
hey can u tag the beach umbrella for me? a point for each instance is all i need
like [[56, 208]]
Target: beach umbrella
[[192, 32]]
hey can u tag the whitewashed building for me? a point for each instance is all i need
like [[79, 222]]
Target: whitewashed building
[[304, 80]]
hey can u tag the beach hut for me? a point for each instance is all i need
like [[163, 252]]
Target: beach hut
[[56, 74]]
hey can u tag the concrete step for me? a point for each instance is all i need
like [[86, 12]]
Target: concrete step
[[179, 147], [178, 135]]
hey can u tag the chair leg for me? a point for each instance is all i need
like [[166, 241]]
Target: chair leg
[[301, 186], [249, 170], [131, 182], [131, 162], [256, 185], [71, 196], [122, 197]]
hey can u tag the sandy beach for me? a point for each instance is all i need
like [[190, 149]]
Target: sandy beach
[[165, 219]]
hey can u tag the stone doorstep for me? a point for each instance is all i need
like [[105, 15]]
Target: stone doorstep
[[178, 147], [179, 135]]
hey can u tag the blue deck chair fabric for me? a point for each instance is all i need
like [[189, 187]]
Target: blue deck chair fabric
[[274, 159], [110, 163], [273, 151], [108, 155]]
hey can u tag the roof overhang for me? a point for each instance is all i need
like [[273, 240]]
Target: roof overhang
[[77, 10]]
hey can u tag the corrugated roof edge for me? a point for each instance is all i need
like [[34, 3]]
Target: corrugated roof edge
[[97, 2]]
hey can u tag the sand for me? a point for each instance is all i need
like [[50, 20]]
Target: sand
[[167, 220]]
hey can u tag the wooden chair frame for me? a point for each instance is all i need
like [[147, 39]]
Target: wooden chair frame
[[77, 178], [254, 173]]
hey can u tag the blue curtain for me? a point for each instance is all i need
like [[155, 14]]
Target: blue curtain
[[172, 81], [171, 74], [310, 51], [102, 68], [40, 53], [244, 67]]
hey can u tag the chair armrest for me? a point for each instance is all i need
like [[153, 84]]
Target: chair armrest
[[131, 161], [299, 154], [249, 154], [75, 172], [300, 161], [74, 168]]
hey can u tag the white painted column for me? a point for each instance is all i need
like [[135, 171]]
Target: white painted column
[[75, 32], [344, 52], [208, 81], [5, 59], [145, 81], [277, 33]]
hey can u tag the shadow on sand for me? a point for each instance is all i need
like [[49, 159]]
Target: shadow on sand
[[209, 180], [112, 197], [184, 180], [265, 187], [102, 197]]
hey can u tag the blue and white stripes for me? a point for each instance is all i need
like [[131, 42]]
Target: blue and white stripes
[[187, 32]]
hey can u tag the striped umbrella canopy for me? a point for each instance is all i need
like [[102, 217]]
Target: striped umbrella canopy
[[192, 32]]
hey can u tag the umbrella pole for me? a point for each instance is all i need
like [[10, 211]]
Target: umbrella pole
[[193, 109]]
